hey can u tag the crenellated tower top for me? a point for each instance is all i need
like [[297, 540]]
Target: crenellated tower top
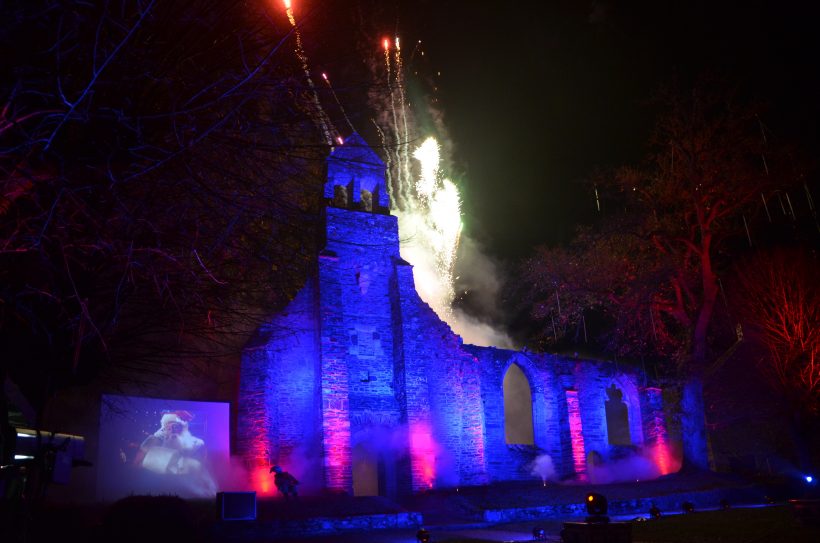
[[356, 178]]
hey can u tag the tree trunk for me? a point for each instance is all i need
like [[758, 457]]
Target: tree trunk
[[693, 412], [693, 425]]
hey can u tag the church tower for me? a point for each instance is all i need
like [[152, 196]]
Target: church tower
[[361, 414], [357, 383]]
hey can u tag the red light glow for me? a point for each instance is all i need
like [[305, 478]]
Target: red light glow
[[260, 455], [658, 436], [262, 480]]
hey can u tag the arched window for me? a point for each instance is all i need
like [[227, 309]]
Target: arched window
[[340, 196], [367, 200], [517, 407], [617, 417]]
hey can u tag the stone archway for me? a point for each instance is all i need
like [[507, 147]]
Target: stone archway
[[374, 457], [518, 427], [365, 462]]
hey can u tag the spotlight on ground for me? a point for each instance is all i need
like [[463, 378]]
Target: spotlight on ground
[[654, 512], [596, 508], [688, 507], [423, 536], [539, 534], [597, 528]]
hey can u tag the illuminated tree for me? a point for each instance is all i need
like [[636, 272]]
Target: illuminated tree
[[779, 297], [160, 173], [671, 225]]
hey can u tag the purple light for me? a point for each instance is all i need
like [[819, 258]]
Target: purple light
[[576, 434]]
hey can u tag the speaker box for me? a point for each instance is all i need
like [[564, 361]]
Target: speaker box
[[236, 505]]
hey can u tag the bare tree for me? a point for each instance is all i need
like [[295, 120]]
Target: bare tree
[[779, 298], [673, 223], [160, 171]]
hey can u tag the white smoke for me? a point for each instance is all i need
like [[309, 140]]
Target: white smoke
[[543, 467], [480, 277]]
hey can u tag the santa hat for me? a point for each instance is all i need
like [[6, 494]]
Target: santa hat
[[181, 417]]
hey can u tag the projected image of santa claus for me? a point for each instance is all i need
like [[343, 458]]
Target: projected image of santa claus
[[174, 450]]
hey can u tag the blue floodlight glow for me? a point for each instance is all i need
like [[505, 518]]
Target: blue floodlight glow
[[809, 479]]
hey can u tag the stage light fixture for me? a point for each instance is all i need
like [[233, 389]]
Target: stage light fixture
[[539, 534], [596, 508], [724, 504], [654, 512], [809, 479], [688, 507], [423, 536]]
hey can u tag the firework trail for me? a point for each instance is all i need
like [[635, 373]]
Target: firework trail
[[338, 103], [403, 146], [322, 119], [395, 184], [426, 204]]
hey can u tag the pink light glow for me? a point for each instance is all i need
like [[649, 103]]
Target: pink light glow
[[576, 435], [336, 425], [658, 436], [422, 455], [659, 451], [337, 449], [662, 457], [262, 480]]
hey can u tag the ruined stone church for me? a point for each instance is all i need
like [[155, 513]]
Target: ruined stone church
[[359, 387]]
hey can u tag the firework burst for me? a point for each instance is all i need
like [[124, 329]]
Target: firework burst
[[427, 204]]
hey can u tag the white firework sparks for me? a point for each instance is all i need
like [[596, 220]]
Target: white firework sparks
[[429, 157], [428, 208], [430, 227]]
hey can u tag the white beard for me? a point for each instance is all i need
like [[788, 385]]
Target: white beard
[[184, 441]]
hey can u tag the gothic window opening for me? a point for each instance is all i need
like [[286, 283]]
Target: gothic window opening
[[367, 200], [373, 462], [517, 408], [617, 417], [340, 196]]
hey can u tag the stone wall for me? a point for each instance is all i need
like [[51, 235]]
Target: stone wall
[[359, 359], [277, 406]]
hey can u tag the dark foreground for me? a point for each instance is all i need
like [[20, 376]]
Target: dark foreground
[[501, 512]]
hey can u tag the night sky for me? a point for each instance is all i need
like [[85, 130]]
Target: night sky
[[537, 96]]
